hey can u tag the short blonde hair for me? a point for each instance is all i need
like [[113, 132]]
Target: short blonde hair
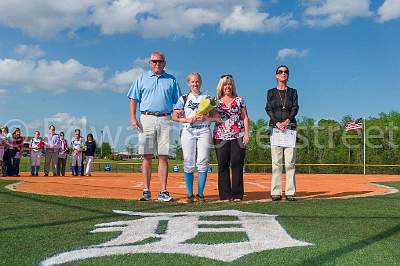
[[222, 82], [194, 74]]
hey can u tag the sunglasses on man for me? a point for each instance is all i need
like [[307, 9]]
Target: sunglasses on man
[[157, 61], [282, 72]]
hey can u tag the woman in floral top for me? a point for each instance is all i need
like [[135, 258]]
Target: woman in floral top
[[231, 134]]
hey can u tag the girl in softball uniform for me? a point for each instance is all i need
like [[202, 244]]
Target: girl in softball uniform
[[77, 146], [195, 136], [6, 140], [3, 144], [36, 146]]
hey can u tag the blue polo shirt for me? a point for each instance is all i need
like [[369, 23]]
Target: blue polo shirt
[[155, 93]]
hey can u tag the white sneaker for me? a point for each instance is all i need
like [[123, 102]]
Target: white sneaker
[[164, 196]]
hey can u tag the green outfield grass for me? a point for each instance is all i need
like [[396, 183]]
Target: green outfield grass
[[362, 231], [98, 165]]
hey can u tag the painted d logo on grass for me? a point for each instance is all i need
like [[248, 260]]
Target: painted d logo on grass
[[221, 235]]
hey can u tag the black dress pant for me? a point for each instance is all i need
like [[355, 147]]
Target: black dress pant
[[230, 156], [7, 164], [14, 163], [61, 166]]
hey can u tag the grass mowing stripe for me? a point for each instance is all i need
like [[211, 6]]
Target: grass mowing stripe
[[147, 241], [162, 227], [218, 238], [324, 258]]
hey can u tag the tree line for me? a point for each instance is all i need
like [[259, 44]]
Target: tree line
[[327, 142]]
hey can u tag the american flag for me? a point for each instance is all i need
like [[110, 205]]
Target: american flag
[[354, 125]]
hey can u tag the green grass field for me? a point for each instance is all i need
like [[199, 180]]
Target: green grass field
[[362, 231], [116, 166]]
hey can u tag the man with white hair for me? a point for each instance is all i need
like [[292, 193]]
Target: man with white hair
[[155, 92]]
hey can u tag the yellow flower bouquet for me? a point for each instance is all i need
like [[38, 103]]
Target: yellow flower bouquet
[[206, 105]]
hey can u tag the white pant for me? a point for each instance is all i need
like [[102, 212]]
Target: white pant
[[76, 158], [1, 153], [89, 160], [195, 142], [35, 158], [290, 162]]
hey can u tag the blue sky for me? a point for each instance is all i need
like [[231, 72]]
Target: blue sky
[[71, 64]]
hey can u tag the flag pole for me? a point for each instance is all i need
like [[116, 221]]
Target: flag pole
[[364, 127]]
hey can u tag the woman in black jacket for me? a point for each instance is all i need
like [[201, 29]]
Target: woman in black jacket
[[89, 153], [282, 107]]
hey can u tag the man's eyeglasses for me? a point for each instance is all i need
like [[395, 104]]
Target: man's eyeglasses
[[282, 71], [226, 76], [157, 61]]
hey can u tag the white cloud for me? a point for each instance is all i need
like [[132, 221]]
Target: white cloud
[[389, 10], [59, 77], [251, 20], [45, 18], [290, 52], [325, 13], [62, 121], [181, 19], [118, 16], [122, 80], [155, 18], [67, 123], [142, 62], [54, 76], [29, 51]]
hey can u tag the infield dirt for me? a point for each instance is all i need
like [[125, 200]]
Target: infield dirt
[[257, 186]]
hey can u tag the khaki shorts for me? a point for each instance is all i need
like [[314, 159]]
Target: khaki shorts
[[156, 136]]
